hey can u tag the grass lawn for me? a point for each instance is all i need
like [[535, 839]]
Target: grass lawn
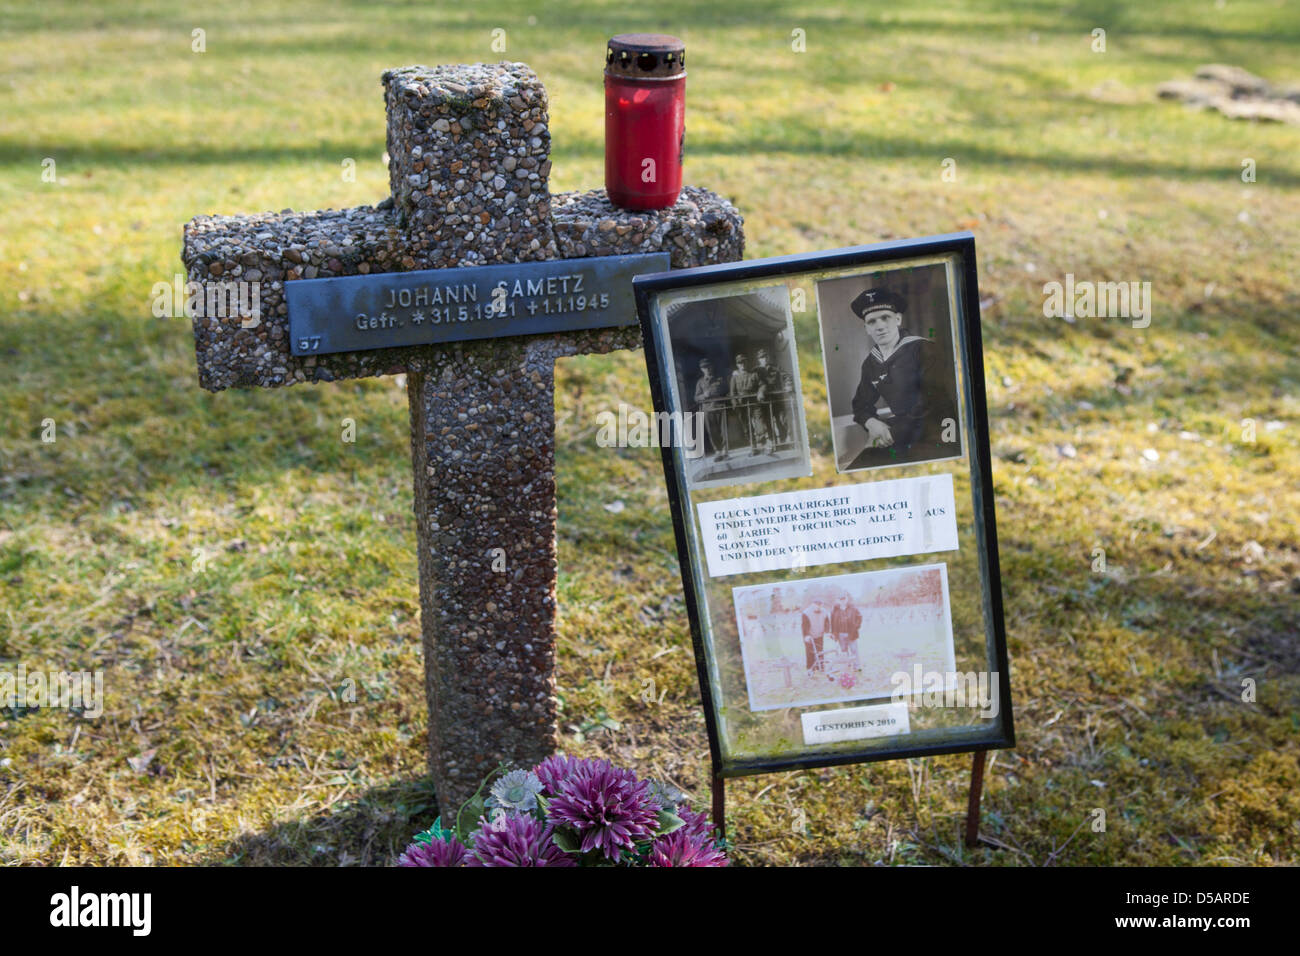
[[236, 570]]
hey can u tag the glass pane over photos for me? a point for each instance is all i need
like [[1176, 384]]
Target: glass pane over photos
[[823, 451]]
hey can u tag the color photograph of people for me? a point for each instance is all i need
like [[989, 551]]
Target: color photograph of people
[[736, 367], [890, 370], [842, 638]]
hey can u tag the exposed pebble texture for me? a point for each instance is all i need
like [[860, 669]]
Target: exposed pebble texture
[[277, 249], [469, 156], [700, 229], [482, 412]]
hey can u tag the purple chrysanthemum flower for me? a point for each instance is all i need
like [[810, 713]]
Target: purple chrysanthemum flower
[[609, 808], [433, 853], [684, 848], [556, 769], [698, 823], [514, 839]]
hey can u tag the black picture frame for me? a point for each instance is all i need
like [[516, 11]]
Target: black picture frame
[[958, 248]]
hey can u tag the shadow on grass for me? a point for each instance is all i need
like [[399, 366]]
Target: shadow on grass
[[783, 135], [1046, 17], [236, 439], [369, 830], [19, 152], [1179, 724]]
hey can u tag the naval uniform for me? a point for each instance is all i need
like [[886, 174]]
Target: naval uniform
[[912, 383]]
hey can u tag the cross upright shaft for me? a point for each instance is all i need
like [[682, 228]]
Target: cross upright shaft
[[469, 150]]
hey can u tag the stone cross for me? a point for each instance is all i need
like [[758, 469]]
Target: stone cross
[[469, 159]]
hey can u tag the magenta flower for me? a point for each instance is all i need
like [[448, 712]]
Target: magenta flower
[[608, 807], [556, 769], [698, 823], [516, 839], [433, 853], [684, 848]]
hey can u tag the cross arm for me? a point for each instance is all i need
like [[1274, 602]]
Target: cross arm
[[274, 248], [469, 148]]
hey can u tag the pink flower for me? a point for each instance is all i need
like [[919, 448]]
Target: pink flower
[[519, 839], [433, 853], [684, 848], [608, 807], [555, 769]]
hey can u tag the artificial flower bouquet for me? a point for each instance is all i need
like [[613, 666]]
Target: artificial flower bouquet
[[571, 811]]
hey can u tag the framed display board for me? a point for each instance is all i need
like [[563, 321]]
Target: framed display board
[[825, 443]]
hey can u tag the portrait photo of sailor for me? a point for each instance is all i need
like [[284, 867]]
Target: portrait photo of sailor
[[890, 368]]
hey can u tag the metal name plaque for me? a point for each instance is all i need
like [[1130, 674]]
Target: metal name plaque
[[350, 313]]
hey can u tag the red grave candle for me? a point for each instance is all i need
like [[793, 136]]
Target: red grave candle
[[645, 119]]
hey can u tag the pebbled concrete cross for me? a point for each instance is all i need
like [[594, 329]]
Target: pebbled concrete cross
[[469, 149]]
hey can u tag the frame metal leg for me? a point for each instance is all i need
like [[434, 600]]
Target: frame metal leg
[[719, 805], [973, 804]]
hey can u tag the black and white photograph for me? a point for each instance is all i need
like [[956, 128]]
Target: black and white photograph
[[559, 434], [889, 347], [735, 367], [774, 640]]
